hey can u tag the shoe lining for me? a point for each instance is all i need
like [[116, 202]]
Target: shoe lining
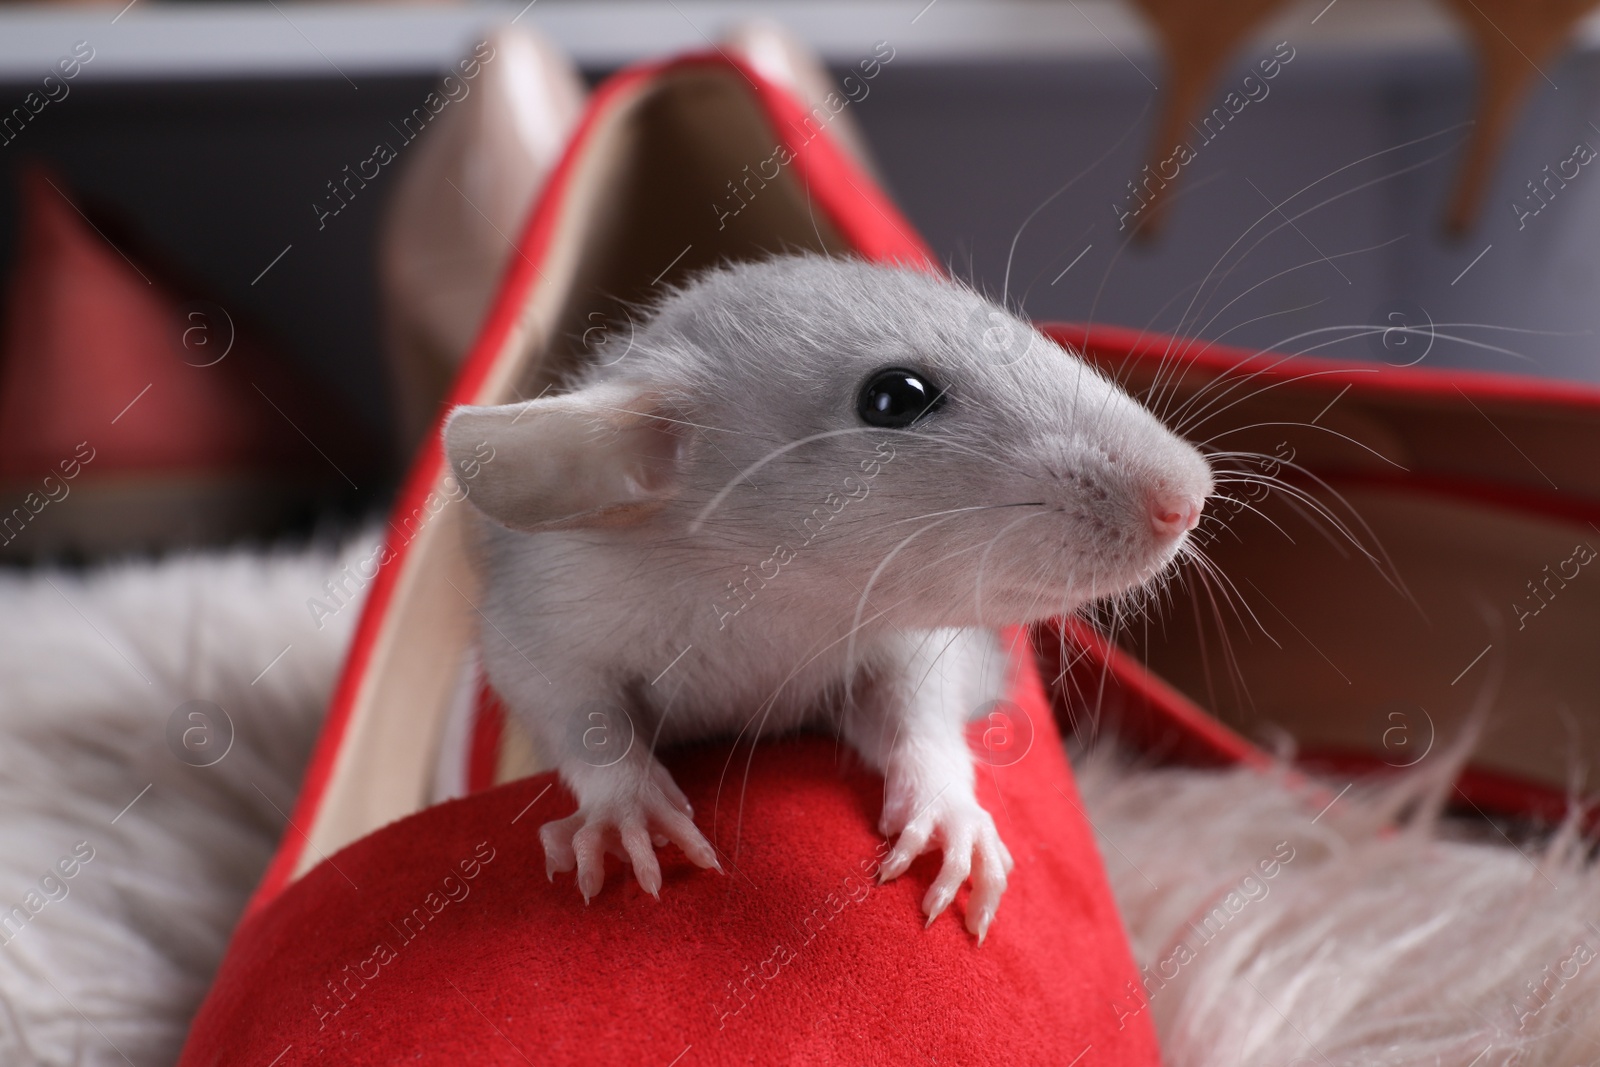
[[1486, 599]]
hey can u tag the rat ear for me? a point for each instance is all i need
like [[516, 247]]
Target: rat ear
[[601, 456]]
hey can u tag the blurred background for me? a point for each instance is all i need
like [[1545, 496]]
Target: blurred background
[[200, 141]]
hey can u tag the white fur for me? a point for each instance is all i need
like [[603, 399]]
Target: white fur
[[1436, 945], [635, 578], [1393, 949], [93, 666]]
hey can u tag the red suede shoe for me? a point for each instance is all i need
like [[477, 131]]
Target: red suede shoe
[[1449, 577], [389, 930], [134, 417]]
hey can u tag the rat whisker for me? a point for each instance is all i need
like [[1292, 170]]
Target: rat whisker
[[1274, 277], [1172, 362], [1179, 362], [1247, 476], [1185, 417], [1375, 330], [1205, 565], [1180, 329], [1105, 277], [1093, 720], [1005, 285], [974, 507], [1350, 332], [1200, 287], [1041, 587], [1377, 555], [1303, 425], [1293, 492], [878, 571], [983, 560], [1169, 361], [764, 709], [722, 494], [1205, 656], [1194, 343], [758, 718], [1230, 658], [1265, 517], [1277, 209], [1149, 323]]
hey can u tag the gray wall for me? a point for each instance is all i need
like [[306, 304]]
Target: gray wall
[[970, 152]]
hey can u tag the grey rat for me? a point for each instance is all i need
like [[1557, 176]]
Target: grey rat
[[808, 494]]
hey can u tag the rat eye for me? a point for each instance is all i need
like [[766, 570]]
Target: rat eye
[[895, 397]]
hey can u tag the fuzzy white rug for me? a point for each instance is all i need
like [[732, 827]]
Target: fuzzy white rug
[[1432, 945], [115, 959], [1274, 929]]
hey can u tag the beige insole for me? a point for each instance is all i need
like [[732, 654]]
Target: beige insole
[[1325, 647], [1463, 493]]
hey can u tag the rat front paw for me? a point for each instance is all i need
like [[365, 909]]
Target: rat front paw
[[972, 847], [629, 825]]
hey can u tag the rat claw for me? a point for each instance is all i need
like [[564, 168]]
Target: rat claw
[[556, 837], [938, 899], [686, 835], [912, 843], [957, 865], [972, 850], [629, 821], [642, 856], [988, 883], [589, 844]]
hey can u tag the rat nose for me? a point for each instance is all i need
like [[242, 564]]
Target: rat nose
[[1174, 514]]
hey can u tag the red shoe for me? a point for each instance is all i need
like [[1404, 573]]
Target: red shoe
[[131, 420], [387, 930], [1450, 578]]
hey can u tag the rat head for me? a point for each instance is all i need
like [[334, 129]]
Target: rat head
[[893, 428]]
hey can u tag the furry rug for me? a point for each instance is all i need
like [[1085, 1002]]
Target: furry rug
[[1279, 922], [1276, 929], [162, 852]]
